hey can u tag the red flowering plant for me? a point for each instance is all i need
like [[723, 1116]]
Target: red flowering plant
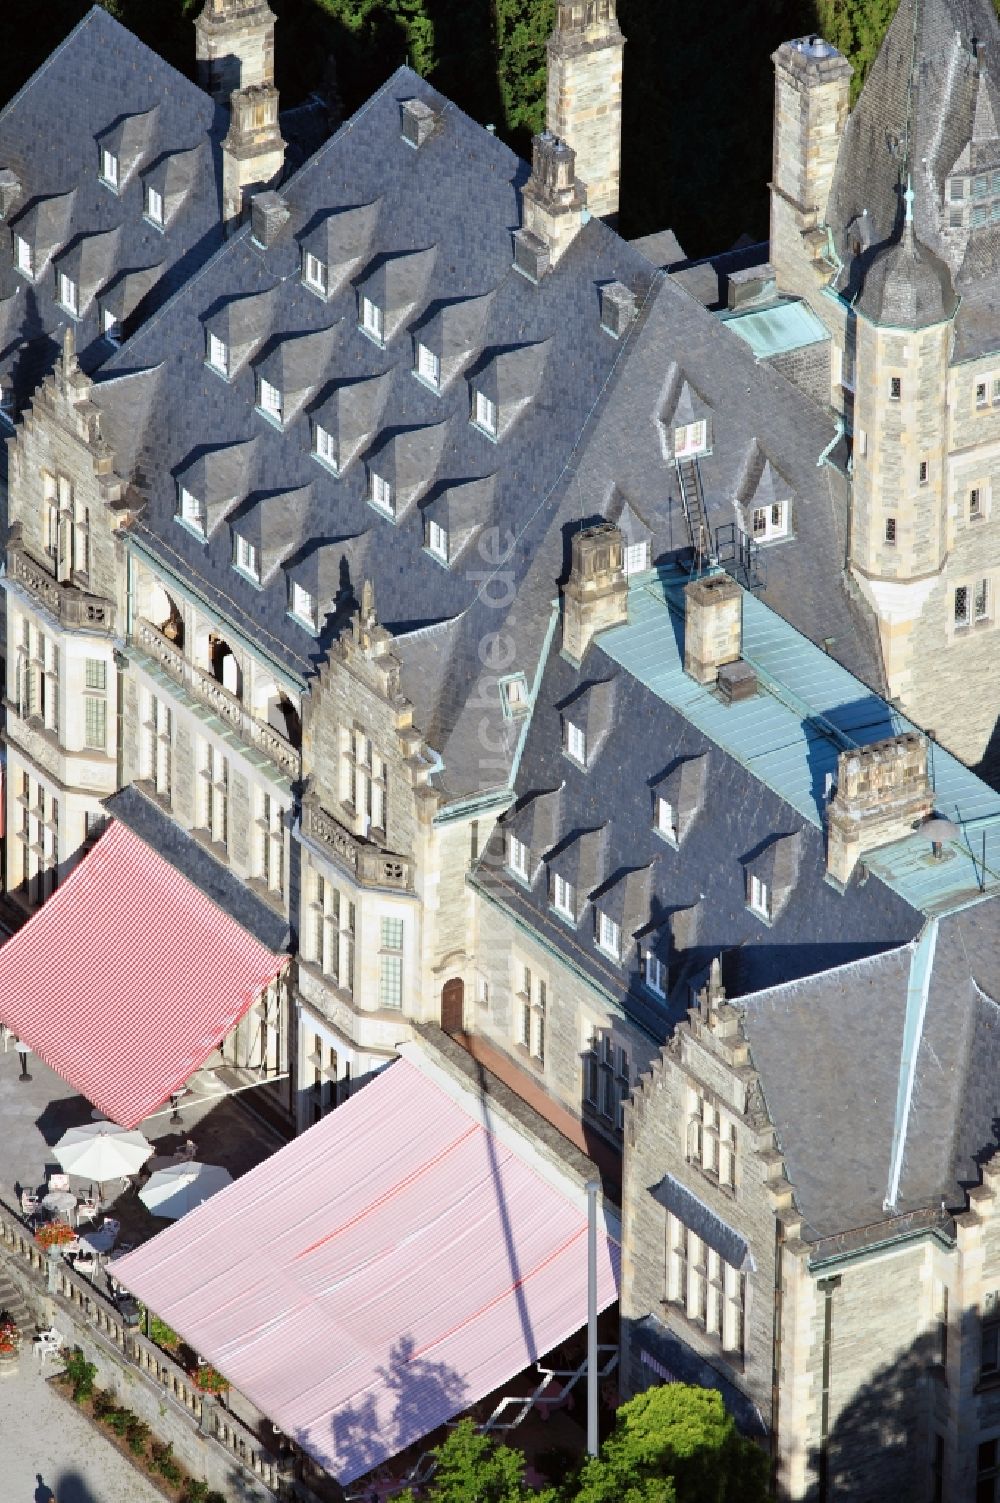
[[54, 1234], [209, 1380], [10, 1338]]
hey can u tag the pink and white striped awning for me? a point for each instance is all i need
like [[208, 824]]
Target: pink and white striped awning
[[128, 977], [380, 1274]]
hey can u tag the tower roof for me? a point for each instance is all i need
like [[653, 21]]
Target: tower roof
[[907, 285]]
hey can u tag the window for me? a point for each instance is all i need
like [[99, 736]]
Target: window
[[302, 605], [437, 540], [847, 370], [50, 498], [109, 168], [769, 522], [154, 205], [576, 742], [666, 819], [988, 1471], [68, 296], [372, 319], [333, 920], [606, 1078], [895, 388], [530, 1004], [390, 980], [980, 393], [484, 413], [975, 504], [691, 439], [271, 850], [96, 674], [428, 366], [609, 935], [563, 896], [708, 1290], [711, 1141], [890, 530], [269, 400], [654, 974], [247, 559], [192, 511], [514, 694], [517, 857], [962, 617], [96, 733], [363, 787], [326, 447], [923, 472], [215, 795], [636, 558], [155, 745], [218, 354], [995, 390], [110, 327], [981, 600], [380, 494], [23, 256], [315, 273], [758, 896]]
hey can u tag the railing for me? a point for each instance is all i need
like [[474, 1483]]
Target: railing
[[88, 1306], [71, 606], [205, 687], [364, 861]]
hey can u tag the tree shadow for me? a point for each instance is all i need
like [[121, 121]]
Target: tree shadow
[[72, 1488]]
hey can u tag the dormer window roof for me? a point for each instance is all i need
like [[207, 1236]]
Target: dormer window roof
[[536, 820], [394, 285], [503, 383], [771, 874], [272, 528], [349, 414], [460, 510], [218, 478], [406, 461], [587, 717], [678, 796], [336, 245], [622, 909], [168, 182], [448, 337], [122, 146], [241, 323]]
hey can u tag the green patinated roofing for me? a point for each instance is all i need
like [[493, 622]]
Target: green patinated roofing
[[790, 736], [776, 330]]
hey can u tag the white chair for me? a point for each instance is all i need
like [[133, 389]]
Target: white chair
[[86, 1262], [58, 1182], [47, 1344], [29, 1202], [87, 1210]]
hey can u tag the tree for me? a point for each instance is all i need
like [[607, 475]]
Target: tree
[[472, 1468], [856, 28], [674, 1442]]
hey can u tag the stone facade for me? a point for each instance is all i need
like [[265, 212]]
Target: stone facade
[[584, 99]]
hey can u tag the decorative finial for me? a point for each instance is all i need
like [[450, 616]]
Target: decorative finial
[[367, 603], [69, 351], [908, 198]]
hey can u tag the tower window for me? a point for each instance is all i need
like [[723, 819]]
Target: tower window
[[981, 600], [980, 393], [890, 530], [895, 388], [923, 472], [975, 504]]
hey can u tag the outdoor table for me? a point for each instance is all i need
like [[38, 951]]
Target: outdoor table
[[60, 1200]]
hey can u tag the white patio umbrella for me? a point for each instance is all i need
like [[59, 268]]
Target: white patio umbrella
[[174, 1191], [102, 1151]]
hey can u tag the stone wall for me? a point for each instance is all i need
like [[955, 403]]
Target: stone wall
[[584, 107]]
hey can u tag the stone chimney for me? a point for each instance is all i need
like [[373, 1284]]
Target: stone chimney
[[253, 153], [883, 790], [584, 100], [552, 207], [596, 593], [234, 46], [713, 626]]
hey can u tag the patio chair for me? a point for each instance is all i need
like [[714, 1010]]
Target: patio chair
[[58, 1182], [47, 1344], [85, 1262], [29, 1202], [87, 1210]]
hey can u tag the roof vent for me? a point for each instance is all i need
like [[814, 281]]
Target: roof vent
[[532, 256], [10, 191], [617, 308], [268, 216], [737, 681], [418, 121]]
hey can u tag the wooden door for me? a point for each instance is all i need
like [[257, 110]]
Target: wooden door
[[453, 1005]]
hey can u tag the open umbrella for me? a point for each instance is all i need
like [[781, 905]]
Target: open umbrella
[[101, 1151], [174, 1191]]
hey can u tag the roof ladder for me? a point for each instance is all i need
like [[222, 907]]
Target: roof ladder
[[693, 502]]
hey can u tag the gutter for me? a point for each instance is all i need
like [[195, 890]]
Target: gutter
[[835, 440]]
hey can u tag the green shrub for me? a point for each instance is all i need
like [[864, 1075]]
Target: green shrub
[[214, 1497], [164, 1463], [161, 1333], [104, 1403], [138, 1435], [195, 1492], [81, 1375], [118, 1420]]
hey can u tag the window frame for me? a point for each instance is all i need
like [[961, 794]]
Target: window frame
[[246, 557], [153, 206], [424, 355], [563, 897], [690, 440], [297, 596], [323, 437], [192, 512], [607, 934], [69, 303], [629, 555], [318, 284], [575, 742], [485, 413], [381, 494], [371, 320], [774, 522], [759, 897], [24, 257], [270, 401], [110, 178], [214, 344], [517, 857]]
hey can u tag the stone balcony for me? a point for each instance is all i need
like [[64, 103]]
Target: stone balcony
[[70, 605], [365, 862], [204, 687]]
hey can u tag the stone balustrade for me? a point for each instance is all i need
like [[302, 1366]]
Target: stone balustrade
[[205, 687], [70, 605], [365, 862]]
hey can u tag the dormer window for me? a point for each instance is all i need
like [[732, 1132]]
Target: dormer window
[[563, 896], [636, 558], [154, 205], [302, 605], [484, 413], [325, 447], [25, 261], [246, 558], [691, 439], [218, 354], [666, 819], [372, 320], [269, 400], [192, 512], [437, 541], [68, 294], [769, 522], [109, 169], [758, 897], [575, 742], [514, 695], [428, 366], [609, 935], [110, 327], [315, 274], [517, 857], [654, 974], [380, 494]]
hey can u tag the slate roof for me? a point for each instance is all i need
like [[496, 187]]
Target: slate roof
[[102, 86], [830, 1053], [426, 231], [930, 107]]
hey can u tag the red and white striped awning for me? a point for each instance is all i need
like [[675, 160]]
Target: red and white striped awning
[[128, 977], [402, 1259]]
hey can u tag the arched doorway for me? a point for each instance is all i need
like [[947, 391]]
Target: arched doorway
[[453, 1005]]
